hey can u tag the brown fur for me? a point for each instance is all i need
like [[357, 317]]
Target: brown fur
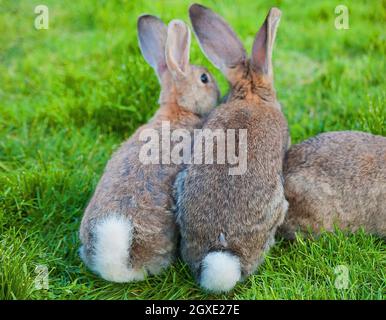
[[144, 192], [336, 179], [245, 208]]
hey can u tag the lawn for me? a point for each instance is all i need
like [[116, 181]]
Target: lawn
[[71, 94]]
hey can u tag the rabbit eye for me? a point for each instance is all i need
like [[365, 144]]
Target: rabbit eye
[[204, 78]]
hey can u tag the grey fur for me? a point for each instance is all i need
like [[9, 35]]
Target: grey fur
[[217, 211], [336, 179], [143, 193]]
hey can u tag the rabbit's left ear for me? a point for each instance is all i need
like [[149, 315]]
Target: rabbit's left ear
[[217, 39], [152, 34], [178, 48], [262, 47]]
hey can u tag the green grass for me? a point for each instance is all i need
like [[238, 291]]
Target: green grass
[[71, 94]]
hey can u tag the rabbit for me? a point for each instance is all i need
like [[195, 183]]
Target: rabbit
[[128, 230], [227, 222], [336, 179]]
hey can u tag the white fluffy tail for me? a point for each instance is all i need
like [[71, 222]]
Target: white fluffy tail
[[220, 271], [114, 236]]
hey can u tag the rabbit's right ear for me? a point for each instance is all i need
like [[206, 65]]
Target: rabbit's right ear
[[263, 44], [152, 34], [217, 39]]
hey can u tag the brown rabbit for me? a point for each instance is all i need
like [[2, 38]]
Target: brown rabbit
[[336, 179], [128, 229], [228, 221]]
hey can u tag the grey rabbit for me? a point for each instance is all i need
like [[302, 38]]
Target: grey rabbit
[[336, 179], [128, 229], [228, 221]]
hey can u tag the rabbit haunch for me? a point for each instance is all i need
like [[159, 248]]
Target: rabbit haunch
[[227, 146]]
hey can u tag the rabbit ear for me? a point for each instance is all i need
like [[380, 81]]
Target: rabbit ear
[[262, 47], [217, 39], [152, 33], [178, 48]]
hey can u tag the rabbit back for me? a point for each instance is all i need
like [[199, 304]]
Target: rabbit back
[[336, 179], [136, 198], [235, 213]]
